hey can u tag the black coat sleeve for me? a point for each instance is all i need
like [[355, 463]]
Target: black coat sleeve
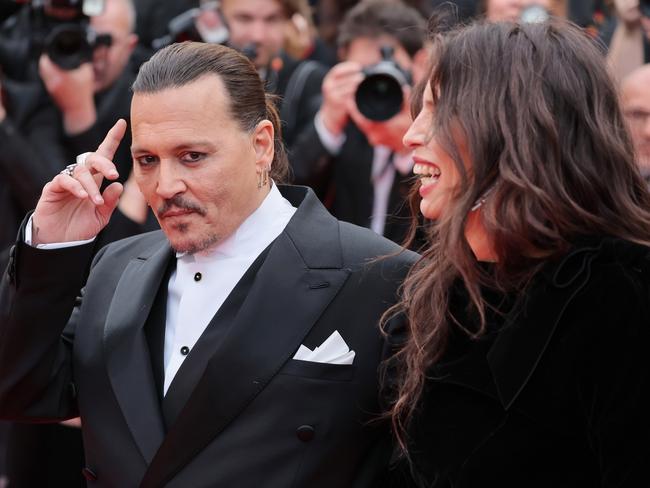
[[40, 295]]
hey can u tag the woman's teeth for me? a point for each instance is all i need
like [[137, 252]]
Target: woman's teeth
[[428, 174]]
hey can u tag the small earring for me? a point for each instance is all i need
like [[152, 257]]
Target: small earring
[[478, 203], [263, 178], [481, 200]]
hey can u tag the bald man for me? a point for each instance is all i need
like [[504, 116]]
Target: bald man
[[635, 94]]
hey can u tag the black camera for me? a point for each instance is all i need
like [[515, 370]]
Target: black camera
[[67, 37], [70, 45], [644, 6], [203, 24], [379, 96], [59, 28]]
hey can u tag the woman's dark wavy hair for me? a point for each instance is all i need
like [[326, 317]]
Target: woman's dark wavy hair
[[548, 144]]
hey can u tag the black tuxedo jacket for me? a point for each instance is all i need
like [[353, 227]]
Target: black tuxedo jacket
[[243, 412]]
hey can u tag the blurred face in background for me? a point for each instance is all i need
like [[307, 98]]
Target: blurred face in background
[[118, 20], [628, 10], [635, 97], [500, 10], [511, 10], [258, 22]]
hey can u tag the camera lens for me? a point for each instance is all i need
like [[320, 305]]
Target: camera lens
[[379, 97], [68, 47]]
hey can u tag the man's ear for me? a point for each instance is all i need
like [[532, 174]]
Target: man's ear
[[264, 144], [132, 41]]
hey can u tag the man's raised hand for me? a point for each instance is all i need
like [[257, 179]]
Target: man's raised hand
[[71, 207]]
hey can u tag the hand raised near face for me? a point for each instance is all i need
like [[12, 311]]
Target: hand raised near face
[[71, 207], [339, 86]]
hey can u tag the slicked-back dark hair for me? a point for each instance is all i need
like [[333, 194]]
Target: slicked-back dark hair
[[181, 64], [548, 148]]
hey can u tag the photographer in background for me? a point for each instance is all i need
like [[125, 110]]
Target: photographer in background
[[94, 95], [359, 165], [79, 51], [259, 29]]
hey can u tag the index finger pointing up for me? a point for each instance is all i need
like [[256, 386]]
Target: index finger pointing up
[[112, 140]]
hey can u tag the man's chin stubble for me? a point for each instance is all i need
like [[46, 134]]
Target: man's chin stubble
[[196, 247]]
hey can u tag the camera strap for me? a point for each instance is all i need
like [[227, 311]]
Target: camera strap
[[294, 91]]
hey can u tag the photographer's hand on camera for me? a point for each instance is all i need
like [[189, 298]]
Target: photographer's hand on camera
[[71, 207], [339, 87], [73, 93]]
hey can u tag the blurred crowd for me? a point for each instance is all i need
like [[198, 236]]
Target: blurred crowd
[[343, 72]]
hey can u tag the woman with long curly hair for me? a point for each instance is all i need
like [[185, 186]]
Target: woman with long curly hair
[[524, 359]]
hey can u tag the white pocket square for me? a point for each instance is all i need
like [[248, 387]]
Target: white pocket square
[[333, 351]]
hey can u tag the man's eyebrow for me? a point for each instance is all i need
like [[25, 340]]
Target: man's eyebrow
[[205, 145]]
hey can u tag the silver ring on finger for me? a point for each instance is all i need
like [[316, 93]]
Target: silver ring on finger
[[81, 158], [69, 169]]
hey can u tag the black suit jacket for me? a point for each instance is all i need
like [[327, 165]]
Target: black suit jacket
[[254, 417]]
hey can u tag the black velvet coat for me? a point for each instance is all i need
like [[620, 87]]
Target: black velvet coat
[[557, 394]]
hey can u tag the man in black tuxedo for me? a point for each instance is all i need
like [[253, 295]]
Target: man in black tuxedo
[[236, 347], [359, 166]]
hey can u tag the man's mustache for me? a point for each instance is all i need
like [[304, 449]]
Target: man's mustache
[[180, 203]]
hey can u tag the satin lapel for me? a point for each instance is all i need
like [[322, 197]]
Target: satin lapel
[[289, 294], [126, 351], [521, 344]]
